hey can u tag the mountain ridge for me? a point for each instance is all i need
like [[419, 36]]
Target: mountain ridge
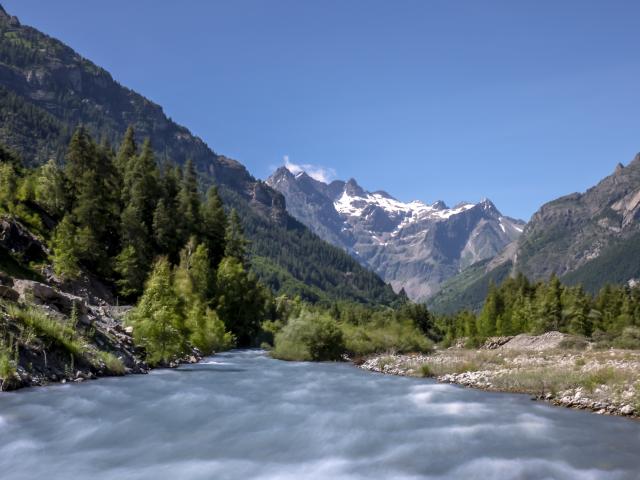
[[412, 245], [47, 89], [582, 237]]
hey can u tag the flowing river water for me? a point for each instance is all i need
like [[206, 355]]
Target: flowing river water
[[242, 415]]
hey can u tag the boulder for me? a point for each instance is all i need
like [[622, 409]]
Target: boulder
[[8, 293], [15, 238], [627, 410], [47, 295]]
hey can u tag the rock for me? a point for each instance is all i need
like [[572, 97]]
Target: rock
[[48, 295], [9, 293], [627, 410], [15, 238], [128, 330], [5, 280], [546, 341]]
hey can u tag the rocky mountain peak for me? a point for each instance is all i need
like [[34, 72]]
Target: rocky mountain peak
[[353, 189], [413, 246], [282, 172], [4, 16]]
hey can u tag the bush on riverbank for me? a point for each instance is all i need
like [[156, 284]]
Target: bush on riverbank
[[400, 336], [311, 336], [317, 335]]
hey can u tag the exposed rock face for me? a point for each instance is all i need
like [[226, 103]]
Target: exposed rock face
[[568, 232], [410, 245], [590, 238], [15, 238]]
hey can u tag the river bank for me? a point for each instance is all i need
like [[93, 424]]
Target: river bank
[[606, 382]]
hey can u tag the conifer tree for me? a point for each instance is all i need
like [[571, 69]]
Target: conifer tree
[[189, 202], [157, 321], [490, 311], [164, 233], [80, 158], [50, 189], [235, 242], [128, 150], [240, 302], [8, 186], [65, 249], [214, 222]]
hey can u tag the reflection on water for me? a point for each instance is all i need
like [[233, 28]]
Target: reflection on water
[[242, 415]]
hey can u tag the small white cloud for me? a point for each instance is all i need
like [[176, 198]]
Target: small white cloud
[[317, 172]]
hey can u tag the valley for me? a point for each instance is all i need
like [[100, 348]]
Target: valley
[[181, 314]]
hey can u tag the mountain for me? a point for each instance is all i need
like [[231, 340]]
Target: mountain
[[590, 238], [413, 246], [47, 89]]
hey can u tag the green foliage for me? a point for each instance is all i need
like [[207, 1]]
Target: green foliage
[[50, 189], [399, 336], [7, 365], [612, 317], [214, 225], [50, 329], [240, 300], [207, 331], [290, 259], [157, 321], [616, 264], [112, 363], [131, 265], [234, 240], [309, 337], [66, 262]]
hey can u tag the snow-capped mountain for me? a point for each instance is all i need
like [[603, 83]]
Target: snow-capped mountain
[[412, 245]]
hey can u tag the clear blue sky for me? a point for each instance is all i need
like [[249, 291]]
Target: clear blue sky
[[456, 100]]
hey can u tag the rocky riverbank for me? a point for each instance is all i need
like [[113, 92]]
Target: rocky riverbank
[[59, 331], [604, 381]]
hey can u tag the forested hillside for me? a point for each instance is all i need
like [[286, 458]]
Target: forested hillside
[[590, 238], [47, 90]]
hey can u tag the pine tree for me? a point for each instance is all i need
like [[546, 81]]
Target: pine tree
[[65, 249], [141, 181], [491, 310], [157, 321], [164, 231], [50, 188], [128, 150], [80, 158], [214, 223], [8, 186], [193, 275], [235, 242], [240, 301], [189, 202]]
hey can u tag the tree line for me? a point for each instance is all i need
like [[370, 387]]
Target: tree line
[[147, 229], [611, 317]]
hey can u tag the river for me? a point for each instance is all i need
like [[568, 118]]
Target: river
[[242, 415]]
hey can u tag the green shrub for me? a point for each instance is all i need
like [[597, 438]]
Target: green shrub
[[425, 370], [111, 362], [48, 328], [601, 376], [7, 366], [309, 337], [629, 339], [391, 336]]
